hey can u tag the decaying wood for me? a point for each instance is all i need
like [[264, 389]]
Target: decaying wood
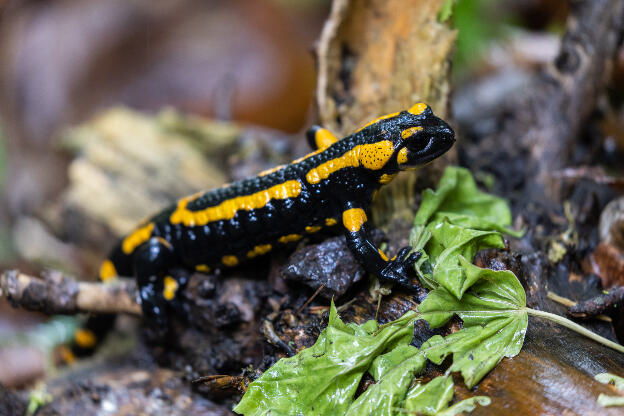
[[605, 302], [546, 122], [378, 57], [57, 293], [552, 375]]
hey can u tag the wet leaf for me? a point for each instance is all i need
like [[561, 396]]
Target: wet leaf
[[458, 200], [430, 398], [448, 242], [495, 322], [434, 397], [393, 373], [467, 405], [456, 219], [323, 379]]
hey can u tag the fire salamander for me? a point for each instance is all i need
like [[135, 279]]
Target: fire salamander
[[330, 187]]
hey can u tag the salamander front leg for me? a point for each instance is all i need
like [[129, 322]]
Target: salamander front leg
[[151, 261], [399, 269]]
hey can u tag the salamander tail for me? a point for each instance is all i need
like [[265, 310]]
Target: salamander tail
[[90, 335]]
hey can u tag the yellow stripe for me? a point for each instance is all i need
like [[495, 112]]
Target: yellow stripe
[[107, 271], [371, 156], [227, 209], [410, 132], [259, 250], [378, 119], [313, 229], [136, 238], [289, 238], [170, 287], [229, 261], [353, 219]]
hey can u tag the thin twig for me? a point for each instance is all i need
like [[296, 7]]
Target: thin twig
[[311, 298]]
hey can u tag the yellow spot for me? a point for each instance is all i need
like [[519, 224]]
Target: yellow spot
[[387, 116], [371, 156], [227, 209], [330, 222], [85, 338], [170, 287], [136, 238], [324, 138], [383, 255], [107, 271], [259, 250], [402, 156], [202, 268], [289, 238], [353, 219], [313, 229], [410, 132], [418, 108], [385, 178], [229, 261]]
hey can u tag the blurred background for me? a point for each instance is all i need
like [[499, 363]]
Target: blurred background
[[64, 62]]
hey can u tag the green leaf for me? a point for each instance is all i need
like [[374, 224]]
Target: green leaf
[[419, 237], [430, 398], [467, 405], [456, 219], [323, 379], [393, 372], [495, 322], [433, 399], [458, 199], [448, 242]]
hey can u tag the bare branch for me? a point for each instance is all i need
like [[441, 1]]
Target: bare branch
[[56, 293]]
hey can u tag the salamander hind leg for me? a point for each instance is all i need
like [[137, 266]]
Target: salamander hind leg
[[157, 288]]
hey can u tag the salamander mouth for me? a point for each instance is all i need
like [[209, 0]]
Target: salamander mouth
[[437, 145], [439, 150]]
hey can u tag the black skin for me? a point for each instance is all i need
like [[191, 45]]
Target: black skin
[[176, 245]]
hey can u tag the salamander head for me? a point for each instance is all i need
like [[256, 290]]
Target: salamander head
[[407, 139]]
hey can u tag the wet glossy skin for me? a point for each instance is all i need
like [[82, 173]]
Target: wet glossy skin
[[331, 187]]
